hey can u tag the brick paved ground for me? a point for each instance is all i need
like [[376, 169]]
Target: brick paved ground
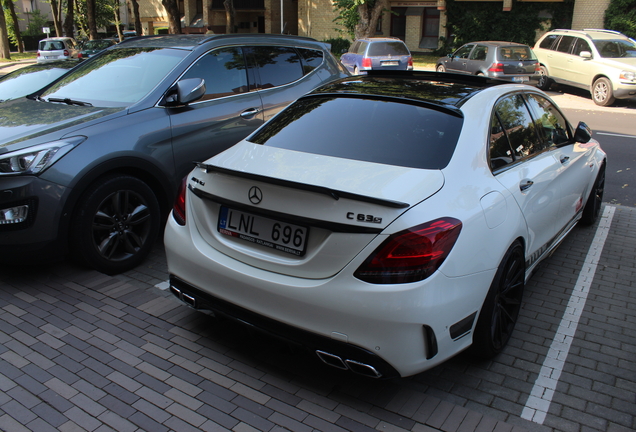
[[83, 351]]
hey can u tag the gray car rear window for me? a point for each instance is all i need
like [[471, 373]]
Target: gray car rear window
[[386, 48], [372, 130]]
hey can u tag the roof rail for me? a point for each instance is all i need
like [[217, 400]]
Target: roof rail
[[604, 31]]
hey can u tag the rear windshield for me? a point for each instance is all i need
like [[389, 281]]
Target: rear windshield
[[51, 45], [386, 48], [372, 130], [515, 53]]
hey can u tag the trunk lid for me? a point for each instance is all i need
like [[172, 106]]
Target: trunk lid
[[245, 199]]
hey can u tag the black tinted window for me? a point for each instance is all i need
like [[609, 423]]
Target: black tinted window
[[518, 126], [565, 44], [479, 53], [370, 130], [500, 151], [311, 59], [387, 48], [463, 51], [551, 125], [277, 65], [224, 73], [548, 41]]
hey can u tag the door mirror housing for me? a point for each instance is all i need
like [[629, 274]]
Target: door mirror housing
[[185, 92], [583, 133]]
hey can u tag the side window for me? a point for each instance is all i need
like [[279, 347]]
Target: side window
[[277, 65], [354, 48], [224, 73], [550, 124], [565, 44], [311, 59], [479, 53], [548, 41], [500, 150], [362, 48], [581, 45], [518, 126], [463, 52]]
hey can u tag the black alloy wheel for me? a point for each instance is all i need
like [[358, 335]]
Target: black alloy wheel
[[592, 207], [116, 225], [441, 68], [501, 308]]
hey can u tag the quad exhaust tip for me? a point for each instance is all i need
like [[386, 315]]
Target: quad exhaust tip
[[184, 297], [352, 365]]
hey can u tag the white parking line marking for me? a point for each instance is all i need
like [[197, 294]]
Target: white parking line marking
[[544, 387]]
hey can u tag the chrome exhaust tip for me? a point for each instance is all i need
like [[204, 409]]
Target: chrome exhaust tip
[[184, 297], [352, 365], [331, 360]]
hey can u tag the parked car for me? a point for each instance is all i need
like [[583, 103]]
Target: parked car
[[92, 47], [56, 48], [503, 60], [93, 162], [600, 61], [29, 79], [388, 248], [377, 53]]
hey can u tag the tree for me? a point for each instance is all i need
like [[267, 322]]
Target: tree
[[174, 17], [134, 5], [5, 51], [230, 13], [56, 11], [13, 28], [91, 9], [360, 17], [620, 15], [70, 17]]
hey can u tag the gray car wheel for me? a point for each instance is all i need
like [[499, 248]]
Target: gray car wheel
[[441, 68], [602, 93], [116, 224]]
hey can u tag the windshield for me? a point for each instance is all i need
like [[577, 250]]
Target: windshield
[[616, 48], [372, 130], [117, 78], [24, 82]]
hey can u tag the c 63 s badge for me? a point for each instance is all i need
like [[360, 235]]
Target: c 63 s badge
[[360, 217]]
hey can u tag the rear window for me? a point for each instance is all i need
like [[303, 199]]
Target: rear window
[[379, 131], [386, 48], [51, 45], [516, 53]]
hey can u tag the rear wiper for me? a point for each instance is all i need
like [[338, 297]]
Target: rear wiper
[[68, 101]]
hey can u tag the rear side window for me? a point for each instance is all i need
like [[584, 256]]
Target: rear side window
[[362, 48], [548, 41], [565, 44], [277, 65], [371, 130], [311, 59], [387, 48]]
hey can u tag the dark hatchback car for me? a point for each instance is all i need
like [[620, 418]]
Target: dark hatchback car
[[377, 54], [92, 162], [92, 47], [32, 78], [503, 60]]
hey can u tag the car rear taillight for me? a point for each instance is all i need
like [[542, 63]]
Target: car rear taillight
[[496, 67], [65, 53], [366, 62], [410, 62], [537, 67], [79, 55], [411, 255], [179, 210]]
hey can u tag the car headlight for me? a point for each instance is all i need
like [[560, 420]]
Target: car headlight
[[628, 75], [34, 160]]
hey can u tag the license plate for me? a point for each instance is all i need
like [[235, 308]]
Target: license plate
[[390, 63], [267, 232], [520, 79]]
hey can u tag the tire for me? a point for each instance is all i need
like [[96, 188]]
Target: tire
[[544, 82], [592, 207], [116, 224], [440, 68], [356, 71], [602, 93], [501, 307]]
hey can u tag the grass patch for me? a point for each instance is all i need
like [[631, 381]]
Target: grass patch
[[20, 56], [424, 61]]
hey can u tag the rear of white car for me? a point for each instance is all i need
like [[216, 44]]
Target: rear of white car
[[57, 48], [370, 234]]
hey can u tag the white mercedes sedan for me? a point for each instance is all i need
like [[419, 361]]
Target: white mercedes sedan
[[386, 222]]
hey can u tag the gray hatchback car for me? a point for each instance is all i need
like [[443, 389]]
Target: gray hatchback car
[[92, 162], [503, 60]]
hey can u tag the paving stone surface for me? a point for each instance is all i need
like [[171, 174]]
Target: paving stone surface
[[83, 351]]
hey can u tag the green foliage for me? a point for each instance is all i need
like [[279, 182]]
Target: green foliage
[[11, 26], [338, 45], [36, 20], [469, 21], [104, 15], [621, 16], [347, 16]]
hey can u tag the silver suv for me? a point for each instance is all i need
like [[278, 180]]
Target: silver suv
[[601, 61]]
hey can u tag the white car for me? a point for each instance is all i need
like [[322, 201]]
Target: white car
[[56, 48], [386, 222]]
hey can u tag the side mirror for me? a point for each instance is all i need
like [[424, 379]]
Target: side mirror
[[186, 91], [583, 133], [585, 54]]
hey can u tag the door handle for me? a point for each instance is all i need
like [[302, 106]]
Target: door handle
[[525, 186], [565, 159], [250, 112]]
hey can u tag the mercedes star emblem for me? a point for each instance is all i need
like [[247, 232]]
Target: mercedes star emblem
[[255, 195]]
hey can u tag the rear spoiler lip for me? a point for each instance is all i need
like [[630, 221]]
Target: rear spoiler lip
[[333, 193], [297, 220]]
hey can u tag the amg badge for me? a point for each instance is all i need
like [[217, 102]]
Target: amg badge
[[360, 217]]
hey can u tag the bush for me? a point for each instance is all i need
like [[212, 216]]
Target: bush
[[621, 16], [338, 45]]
